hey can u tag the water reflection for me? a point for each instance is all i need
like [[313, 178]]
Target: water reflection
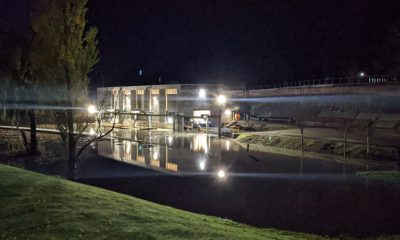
[[195, 154], [203, 154], [264, 189]]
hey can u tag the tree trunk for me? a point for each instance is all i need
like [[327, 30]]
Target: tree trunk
[[71, 145], [33, 143]]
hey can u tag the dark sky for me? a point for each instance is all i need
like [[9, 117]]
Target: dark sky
[[236, 41]]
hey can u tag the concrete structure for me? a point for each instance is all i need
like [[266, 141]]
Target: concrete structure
[[297, 100], [164, 102]]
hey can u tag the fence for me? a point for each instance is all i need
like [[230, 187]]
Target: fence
[[351, 81]]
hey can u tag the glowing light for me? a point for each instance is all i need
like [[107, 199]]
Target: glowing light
[[228, 112], [170, 140], [92, 109], [221, 173], [128, 148], [362, 74], [200, 143], [228, 145], [155, 155], [170, 120], [221, 99], [92, 132], [202, 93], [202, 165]]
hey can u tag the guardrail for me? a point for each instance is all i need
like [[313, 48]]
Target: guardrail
[[351, 81]]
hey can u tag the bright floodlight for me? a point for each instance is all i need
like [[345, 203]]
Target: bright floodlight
[[221, 99], [202, 93], [362, 74], [221, 173], [92, 109]]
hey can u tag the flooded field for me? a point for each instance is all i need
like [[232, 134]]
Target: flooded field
[[204, 174]]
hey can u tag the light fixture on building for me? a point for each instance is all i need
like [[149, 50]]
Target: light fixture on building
[[92, 109], [361, 74], [202, 93], [221, 173], [221, 99], [170, 120]]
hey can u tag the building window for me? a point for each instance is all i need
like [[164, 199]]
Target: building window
[[127, 106], [155, 91], [171, 91], [140, 92]]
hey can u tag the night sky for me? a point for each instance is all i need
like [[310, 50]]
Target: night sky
[[237, 41]]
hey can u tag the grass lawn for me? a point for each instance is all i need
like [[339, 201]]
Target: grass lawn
[[34, 206], [388, 176]]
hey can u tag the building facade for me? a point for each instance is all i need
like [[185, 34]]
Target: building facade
[[161, 101]]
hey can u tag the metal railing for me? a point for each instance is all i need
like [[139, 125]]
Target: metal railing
[[350, 81]]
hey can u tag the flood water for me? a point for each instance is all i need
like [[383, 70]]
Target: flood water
[[204, 174]]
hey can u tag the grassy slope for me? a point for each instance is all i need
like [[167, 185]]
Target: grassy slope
[[34, 206], [388, 176], [356, 151]]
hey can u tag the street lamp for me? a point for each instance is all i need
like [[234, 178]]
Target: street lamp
[[362, 74]]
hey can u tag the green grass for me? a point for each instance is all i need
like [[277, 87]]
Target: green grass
[[35, 206], [387, 176], [353, 150]]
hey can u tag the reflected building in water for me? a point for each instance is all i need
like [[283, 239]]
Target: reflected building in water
[[196, 153]]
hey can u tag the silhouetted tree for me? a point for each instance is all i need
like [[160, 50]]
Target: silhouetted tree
[[64, 50], [18, 89]]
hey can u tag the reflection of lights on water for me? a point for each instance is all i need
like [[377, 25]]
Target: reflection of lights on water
[[200, 143], [171, 166], [202, 165], [155, 155], [228, 144], [221, 173], [92, 132], [128, 147]]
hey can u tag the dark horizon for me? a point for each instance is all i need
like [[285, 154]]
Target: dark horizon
[[236, 42], [239, 41]]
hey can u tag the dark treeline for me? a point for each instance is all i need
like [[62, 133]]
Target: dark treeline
[[47, 53]]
